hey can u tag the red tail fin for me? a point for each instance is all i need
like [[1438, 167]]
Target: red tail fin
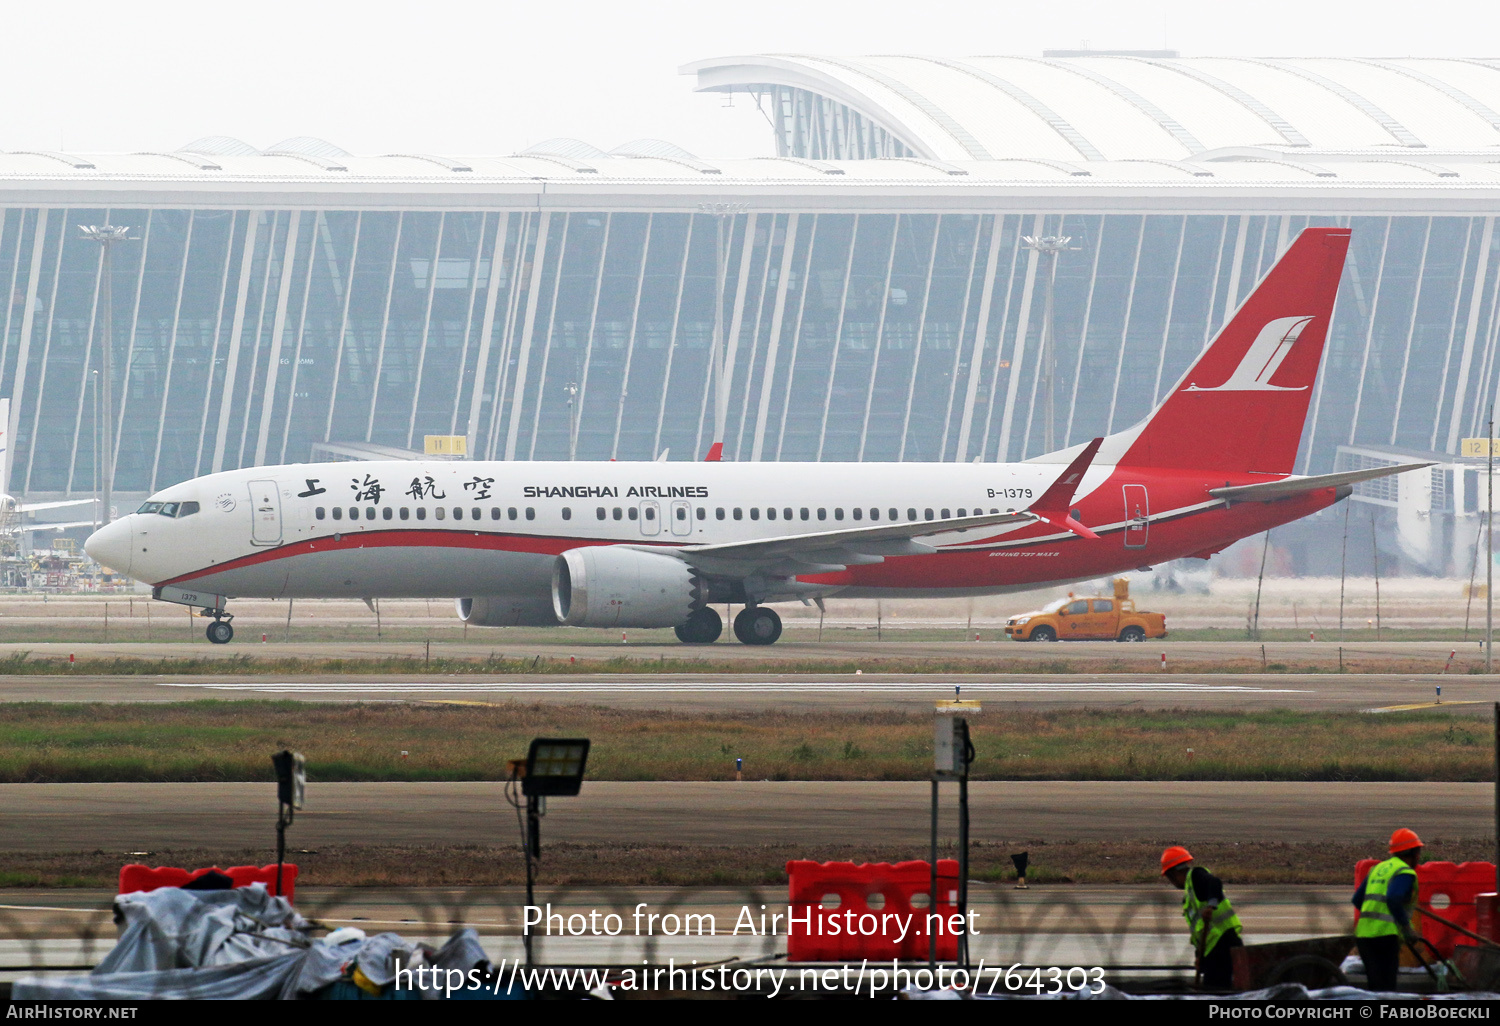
[[715, 453], [1241, 406]]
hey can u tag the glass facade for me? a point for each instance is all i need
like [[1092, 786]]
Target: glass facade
[[244, 337]]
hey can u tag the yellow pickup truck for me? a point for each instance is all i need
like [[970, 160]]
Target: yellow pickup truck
[[1089, 619]]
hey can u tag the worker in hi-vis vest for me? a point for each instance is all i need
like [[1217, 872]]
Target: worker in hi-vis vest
[[1214, 927], [1385, 902]]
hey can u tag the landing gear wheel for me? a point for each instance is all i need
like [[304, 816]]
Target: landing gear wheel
[[702, 628], [219, 632], [1133, 634], [1043, 633], [757, 625]]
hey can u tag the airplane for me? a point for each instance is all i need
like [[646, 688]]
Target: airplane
[[651, 544]]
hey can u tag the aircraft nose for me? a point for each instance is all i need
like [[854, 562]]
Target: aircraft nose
[[110, 545]]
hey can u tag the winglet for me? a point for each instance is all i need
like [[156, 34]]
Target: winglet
[[1053, 505], [715, 453]]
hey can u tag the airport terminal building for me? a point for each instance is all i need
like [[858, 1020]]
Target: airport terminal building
[[877, 297]]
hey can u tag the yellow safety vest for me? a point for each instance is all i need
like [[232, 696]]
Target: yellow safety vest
[[1375, 919], [1219, 923]]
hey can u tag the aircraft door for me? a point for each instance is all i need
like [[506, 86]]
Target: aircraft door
[[650, 517], [682, 518], [265, 512], [1138, 512]]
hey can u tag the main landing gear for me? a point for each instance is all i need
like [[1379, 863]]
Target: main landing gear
[[220, 632], [702, 628], [757, 625]]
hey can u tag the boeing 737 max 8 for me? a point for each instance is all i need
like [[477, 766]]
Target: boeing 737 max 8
[[657, 544]]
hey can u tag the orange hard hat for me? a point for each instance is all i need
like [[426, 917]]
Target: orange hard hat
[[1174, 857], [1404, 840]]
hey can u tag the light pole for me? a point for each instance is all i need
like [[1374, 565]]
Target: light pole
[[1049, 246], [107, 235], [94, 381], [721, 212]]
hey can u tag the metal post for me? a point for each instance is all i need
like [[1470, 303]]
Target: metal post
[[1489, 554], [533, 852], [1344, 565], [107, 235], [1497, 797], [963, 847], [1375, 562], [1259, 581], [281, 823], [932, 892]]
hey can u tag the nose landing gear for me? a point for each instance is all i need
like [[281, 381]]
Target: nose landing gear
[[220, 632]]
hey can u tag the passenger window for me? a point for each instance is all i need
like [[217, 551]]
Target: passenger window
[[318, 513], [477, 513], [911, 514], [338, 512], [405, 513], [874, 514], [702, 513], [599, 513], [994, 511], [458, 512], [806, 513], [530, 512], [369, 512], [650, 512], [421, 513], [895, 514], [1077, 608], [822, 513], [511, 513], [387, 513], [619, 513], [838, 512], [859, 514], [439, 512], [770, 513], [787, 513], [719, 513], [946, 515], [961, 512], [630, 511], [567, 512], [739, 514], [353, 512], [754, 512], [1104, 606], [494, 512], [681, 513], [927, 514], [187, 509]]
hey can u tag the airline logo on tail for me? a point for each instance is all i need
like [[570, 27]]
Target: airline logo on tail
[[1261, 361]]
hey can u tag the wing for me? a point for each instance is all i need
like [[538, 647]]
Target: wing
[[57, 527], [831, 551], [31, 507], [1270, 491]]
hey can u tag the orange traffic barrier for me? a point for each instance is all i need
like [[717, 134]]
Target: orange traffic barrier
[[1449, 889], [137, 877], [842, 912]]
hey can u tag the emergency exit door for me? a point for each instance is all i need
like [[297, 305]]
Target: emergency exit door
[[1138, 515], [265, 513], [650, 517]]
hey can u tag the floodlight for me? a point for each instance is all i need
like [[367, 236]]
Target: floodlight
[[554, 767]]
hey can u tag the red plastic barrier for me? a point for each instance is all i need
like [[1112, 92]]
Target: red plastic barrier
[[1450, 890], [842, 911], [136, 877]]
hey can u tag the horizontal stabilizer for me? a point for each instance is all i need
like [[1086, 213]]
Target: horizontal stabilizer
[[1270, 491]]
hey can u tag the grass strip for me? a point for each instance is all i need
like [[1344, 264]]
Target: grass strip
[[231, 741]]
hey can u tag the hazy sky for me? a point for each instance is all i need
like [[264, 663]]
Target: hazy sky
[[443, 76]]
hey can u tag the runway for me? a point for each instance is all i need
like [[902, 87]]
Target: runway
[[136, 817], [1463, 695]]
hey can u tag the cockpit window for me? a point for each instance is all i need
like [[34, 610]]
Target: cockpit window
[[186, 509], [150, 507], [169, 509]]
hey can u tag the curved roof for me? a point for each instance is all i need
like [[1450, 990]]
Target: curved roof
[[1100, 108]]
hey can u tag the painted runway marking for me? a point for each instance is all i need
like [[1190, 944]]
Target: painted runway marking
[[631, 687], [1419, 705]]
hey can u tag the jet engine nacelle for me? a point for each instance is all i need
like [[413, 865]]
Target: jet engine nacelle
[[506, 611], [615, 586]]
